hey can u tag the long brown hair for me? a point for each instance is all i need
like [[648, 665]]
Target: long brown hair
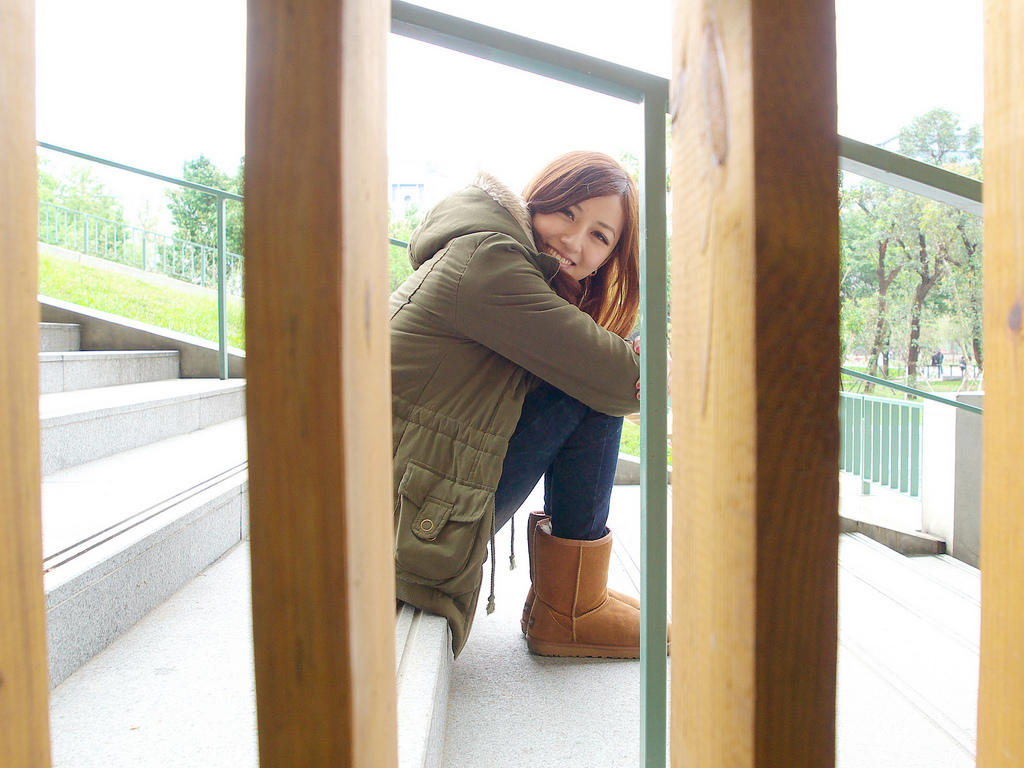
[[612, 296]]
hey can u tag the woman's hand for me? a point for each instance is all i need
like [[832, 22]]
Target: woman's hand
[[636, 348], [668, 383]]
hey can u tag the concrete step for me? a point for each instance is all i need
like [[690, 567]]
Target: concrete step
[[885, 515], [68, 371], [908, 659], [958, 575], [178, 688], [123, 533], [942, 600], [176, 691], [88, 424], [938, 578], [423, 654], [60, 337]]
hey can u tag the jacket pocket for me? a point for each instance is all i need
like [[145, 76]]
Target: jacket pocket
[[441, 527]]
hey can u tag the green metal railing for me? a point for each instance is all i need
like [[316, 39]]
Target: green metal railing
[[880, 440], [136, 247], [910, 390], [221, 197], [910, 175]]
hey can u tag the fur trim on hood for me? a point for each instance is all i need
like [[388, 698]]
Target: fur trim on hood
[[508, 200], [486, 205]]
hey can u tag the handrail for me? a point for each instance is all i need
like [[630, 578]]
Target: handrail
[[910, 390], [222, 198], [911, 175], [141, 172], [525, 53]]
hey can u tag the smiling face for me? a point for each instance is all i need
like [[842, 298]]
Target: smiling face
[[581, 236]]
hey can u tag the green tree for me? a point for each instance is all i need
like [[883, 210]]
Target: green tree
[[914, 257], [79, 190], [195, 213], [966, 287], [631, 163], [935, 137], [955, 236], [47, 183], [873, 257], [401, 228], [82, 191]]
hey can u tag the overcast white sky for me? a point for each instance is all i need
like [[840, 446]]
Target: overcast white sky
[[153, 84]]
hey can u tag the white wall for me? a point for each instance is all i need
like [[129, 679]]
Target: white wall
[[951, 476]]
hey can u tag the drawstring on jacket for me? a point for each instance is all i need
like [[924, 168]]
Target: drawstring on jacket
[[490, 599], [512, 545], [511, 559]]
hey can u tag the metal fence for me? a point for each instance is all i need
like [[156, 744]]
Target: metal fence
[[137, 247], [880, 440]]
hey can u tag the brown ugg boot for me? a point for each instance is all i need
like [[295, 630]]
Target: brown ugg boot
[[573, 613], [531, 525]]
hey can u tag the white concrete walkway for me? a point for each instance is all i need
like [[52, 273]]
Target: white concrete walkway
[[178, 689], [510, 708], [907, 671]]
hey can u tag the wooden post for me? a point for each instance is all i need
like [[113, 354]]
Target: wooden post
[[319, 406], [1001, 683], [756, 393], [24, 684]]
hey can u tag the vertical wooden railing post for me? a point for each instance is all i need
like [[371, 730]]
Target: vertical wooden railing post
[[1001, 683], [24, 686], [319, 406], [756, 372]]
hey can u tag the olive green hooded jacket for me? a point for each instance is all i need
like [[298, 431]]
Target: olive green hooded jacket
[[471, 328]]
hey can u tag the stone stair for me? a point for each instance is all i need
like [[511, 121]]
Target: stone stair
[[146, 568], [144, 486]]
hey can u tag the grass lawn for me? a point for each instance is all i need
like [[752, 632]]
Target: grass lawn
[[183, 310], [630, 443]]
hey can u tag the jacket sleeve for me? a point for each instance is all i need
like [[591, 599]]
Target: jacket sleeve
[[504, 303]]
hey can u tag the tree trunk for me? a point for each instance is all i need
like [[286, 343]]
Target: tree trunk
[[976, 332], [886, 350], [882, 320], [915, 334], [929, 278], [974, 300], [876, 343]]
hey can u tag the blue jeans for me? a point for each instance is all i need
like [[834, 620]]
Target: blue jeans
[[576, 449]]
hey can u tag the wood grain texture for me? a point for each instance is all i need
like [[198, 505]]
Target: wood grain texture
[[1001, 683], [24, 685], [319, 408], [755, 366]]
